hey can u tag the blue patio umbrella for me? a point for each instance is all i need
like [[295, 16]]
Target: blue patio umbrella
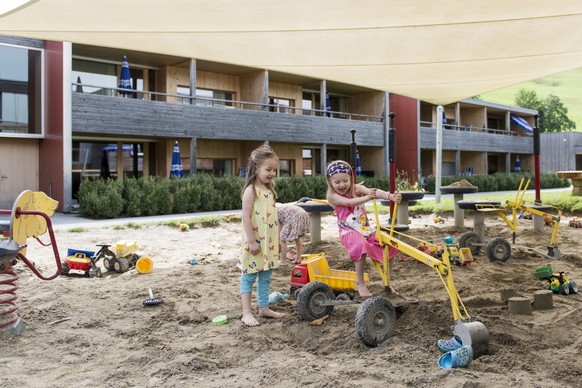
[[176, 168], [358, 165], [327, 105], [125, 77]]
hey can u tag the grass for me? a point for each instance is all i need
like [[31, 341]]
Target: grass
[[566, 85]]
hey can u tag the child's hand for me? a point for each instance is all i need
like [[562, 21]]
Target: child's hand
[[372, 193], [254, 247], [396, 197]]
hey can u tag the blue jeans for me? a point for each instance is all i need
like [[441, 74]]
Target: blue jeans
[[248, 279]]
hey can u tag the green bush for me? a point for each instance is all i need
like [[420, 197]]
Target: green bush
[[186, 195], [100, 198], [201, 192], [209, 197], [132, 197]]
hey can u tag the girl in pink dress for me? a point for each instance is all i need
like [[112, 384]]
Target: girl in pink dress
[[348, 200]]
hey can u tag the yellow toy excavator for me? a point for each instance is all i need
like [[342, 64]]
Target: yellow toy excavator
[[472, 333], [318, 289]]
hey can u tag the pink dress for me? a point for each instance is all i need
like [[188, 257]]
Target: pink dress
[[356, 235]]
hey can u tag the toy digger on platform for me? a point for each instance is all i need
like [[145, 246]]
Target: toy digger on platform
[[499, 249], [559, 284]]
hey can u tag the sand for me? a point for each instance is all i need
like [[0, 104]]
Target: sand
[[96, 332]]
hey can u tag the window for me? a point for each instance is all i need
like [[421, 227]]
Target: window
[[281, 105], [94, 77], [286, 167], [20, 90], [207, 97], [216, 167]]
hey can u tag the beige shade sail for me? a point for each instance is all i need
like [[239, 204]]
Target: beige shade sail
[[436, 51]]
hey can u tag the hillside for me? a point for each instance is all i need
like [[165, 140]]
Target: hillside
[[567, 85]]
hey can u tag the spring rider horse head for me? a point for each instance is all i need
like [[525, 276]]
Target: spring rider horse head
[[29, 217]]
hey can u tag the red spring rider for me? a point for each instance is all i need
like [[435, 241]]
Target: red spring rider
[[29, 217]]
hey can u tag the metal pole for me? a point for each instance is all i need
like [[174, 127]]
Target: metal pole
[[353, 156], [392, 157], [537, 159], [439, 154]]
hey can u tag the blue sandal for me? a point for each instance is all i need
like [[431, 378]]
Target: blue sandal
[[450, 344], [458, 358]]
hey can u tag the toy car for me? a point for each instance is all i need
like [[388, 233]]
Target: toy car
[[80, 260]]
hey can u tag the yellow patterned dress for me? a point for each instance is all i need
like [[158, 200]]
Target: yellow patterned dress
[[266, 231]]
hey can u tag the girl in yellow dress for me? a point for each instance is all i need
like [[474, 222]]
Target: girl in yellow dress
[[260, 235]]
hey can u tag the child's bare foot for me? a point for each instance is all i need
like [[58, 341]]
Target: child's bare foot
[[249, 320], [363, 290], [268, 313]]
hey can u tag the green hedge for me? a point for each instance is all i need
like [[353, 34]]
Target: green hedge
[[201, 193]]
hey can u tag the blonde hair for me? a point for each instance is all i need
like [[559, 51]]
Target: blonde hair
[[330, 169], [256, 160]]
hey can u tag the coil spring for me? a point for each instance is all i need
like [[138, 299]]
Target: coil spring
[[8, 297]]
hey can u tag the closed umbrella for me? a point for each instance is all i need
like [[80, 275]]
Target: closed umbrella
[[327, 105], [79, 87], [125, 77], [104, 172], [176, 168]]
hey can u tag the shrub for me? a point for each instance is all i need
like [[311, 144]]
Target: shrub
[[100, 198]]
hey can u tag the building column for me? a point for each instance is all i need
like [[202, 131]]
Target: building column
[[323, 158], [508, 163], [322, 96], [193, 156], [192, 81], [457, 162]]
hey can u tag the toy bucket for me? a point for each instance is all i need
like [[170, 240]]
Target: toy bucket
[[144, 265]]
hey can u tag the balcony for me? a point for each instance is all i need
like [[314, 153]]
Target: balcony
[[171, 116], [467, 138]]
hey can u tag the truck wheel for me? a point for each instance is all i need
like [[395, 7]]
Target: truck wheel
[[469, 240], [310, 298], [108, 260], [498, 249], [375, 320], [564, 289], [121, 265], [573, 288], [293, 292], [64, 269]]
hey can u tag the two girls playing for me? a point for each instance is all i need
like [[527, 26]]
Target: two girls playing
[[261, 228]]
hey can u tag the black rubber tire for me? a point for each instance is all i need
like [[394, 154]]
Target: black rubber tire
[[343, 297], [108, 260], [498, 249], [564, 289], [309, 298], [468, 239], [64, 269], [375, 320], [121, 265], [573, 288], [292, 291]]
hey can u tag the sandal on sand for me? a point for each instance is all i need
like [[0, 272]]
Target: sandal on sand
[[449, 344], [458, 358]]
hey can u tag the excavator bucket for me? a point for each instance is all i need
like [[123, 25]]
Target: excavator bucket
[[473, 334], [554, 252]]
